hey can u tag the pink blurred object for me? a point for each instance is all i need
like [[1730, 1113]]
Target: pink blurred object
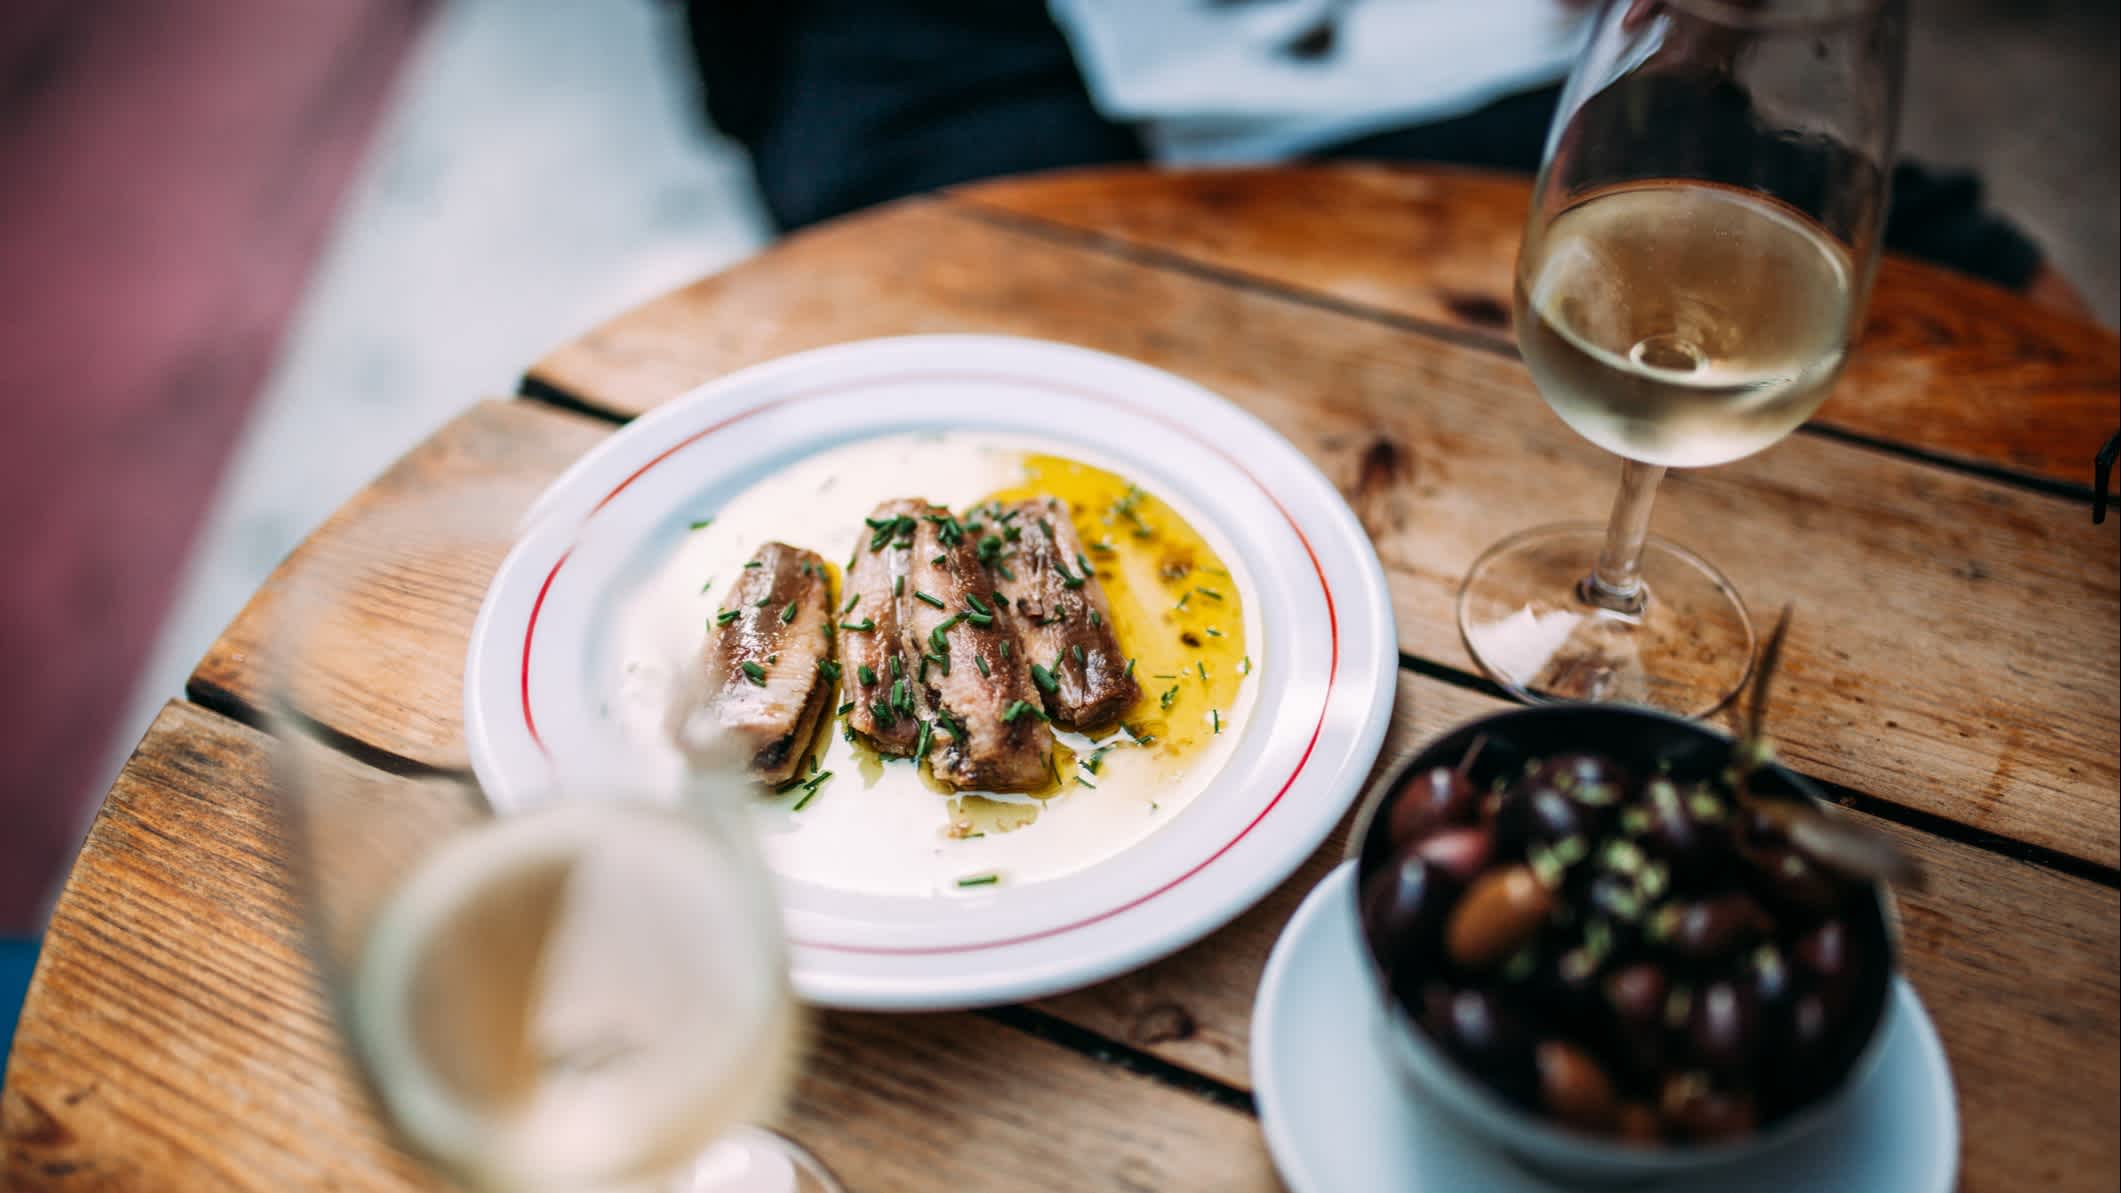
[[167, 176]]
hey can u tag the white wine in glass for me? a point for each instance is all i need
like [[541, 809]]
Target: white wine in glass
[[589, 994], [1683, 324], [1695, 265]]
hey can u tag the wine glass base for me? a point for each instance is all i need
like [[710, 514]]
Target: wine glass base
[[752, 1159], [1687, 650]]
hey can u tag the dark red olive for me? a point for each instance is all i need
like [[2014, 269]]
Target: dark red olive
[[1573, 1087], [1591, 778], [1693, 1109], [1461, 853], [1635, 996], [1723, 1027], [1790, 880], [1688, 828], [1428, 800], [1797, 1062], [1483, 1034], [1824, 950], [1706, 929], [1403, 909]]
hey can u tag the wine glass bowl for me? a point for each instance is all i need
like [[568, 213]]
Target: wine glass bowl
[[1700, 247], [587, 994]]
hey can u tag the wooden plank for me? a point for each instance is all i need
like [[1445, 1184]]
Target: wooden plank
[[415, 550], [1958, 645], [1938, 352], [174, 1038], [2017, 965]]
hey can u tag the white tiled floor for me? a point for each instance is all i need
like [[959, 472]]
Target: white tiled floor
[[542, 168]]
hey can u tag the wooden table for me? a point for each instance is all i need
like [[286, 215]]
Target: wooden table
[[1953, 679]]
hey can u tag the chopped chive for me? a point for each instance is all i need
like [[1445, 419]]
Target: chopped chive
[[851, 603], [1182, 601], [829, 669], [1102, 547], [1210, 593], [862, 625], [978, 605], [709, 584], [754, 564], [980, 880], [866, 674], [980, 661], [1044, 679], [810, 790], [755, 673], [1002, 569], [846, 708], [1130, 668], [928, 599], [726, 616], [980, 618], [1096, 618], [882, 712], [1084, 565], [1244, 665], [1082, 782], [763, 601], [898, 586], [1005, 648], [1215, 718], [787, 786], [1212, 632], [1162, 675], [1077, 651], [898, 669], [1170, 695], [922, 674], [1203, 669], [703, 523], [901, 696], [788, 613], [938, 560], [920, 745], [941, 661], [881, 523], [772, 659]]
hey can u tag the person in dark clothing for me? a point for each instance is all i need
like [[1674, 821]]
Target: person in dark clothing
[[844, 104]]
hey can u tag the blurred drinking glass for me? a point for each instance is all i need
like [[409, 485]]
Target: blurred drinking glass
[[588, 994], [1697, 259]]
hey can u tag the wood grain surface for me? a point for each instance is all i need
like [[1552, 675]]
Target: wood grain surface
[[178, 1040], [1958, 642], [2015, 963], [1946, 363], [1956, 669], [411, 554]]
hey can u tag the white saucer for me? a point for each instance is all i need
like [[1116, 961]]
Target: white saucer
[[1339, 1120]]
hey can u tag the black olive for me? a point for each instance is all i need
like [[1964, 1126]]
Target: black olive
[[1428, 800], [1487, 1037], [1403, 909], [1688, 829], [1791, 881], [1723, 1027], [1706, 929]]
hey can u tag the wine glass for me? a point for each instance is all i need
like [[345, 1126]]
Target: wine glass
[[588, 994], [1699, 251]]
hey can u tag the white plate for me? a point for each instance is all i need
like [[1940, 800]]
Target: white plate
[[534, 679], [1339, 1120]]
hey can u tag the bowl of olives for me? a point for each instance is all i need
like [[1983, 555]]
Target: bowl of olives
[[1607, 949]]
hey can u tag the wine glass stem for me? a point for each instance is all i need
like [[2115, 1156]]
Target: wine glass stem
[[1615, 582]]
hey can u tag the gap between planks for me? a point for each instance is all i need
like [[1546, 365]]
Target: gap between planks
[[536, 389], [1035, 227]]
